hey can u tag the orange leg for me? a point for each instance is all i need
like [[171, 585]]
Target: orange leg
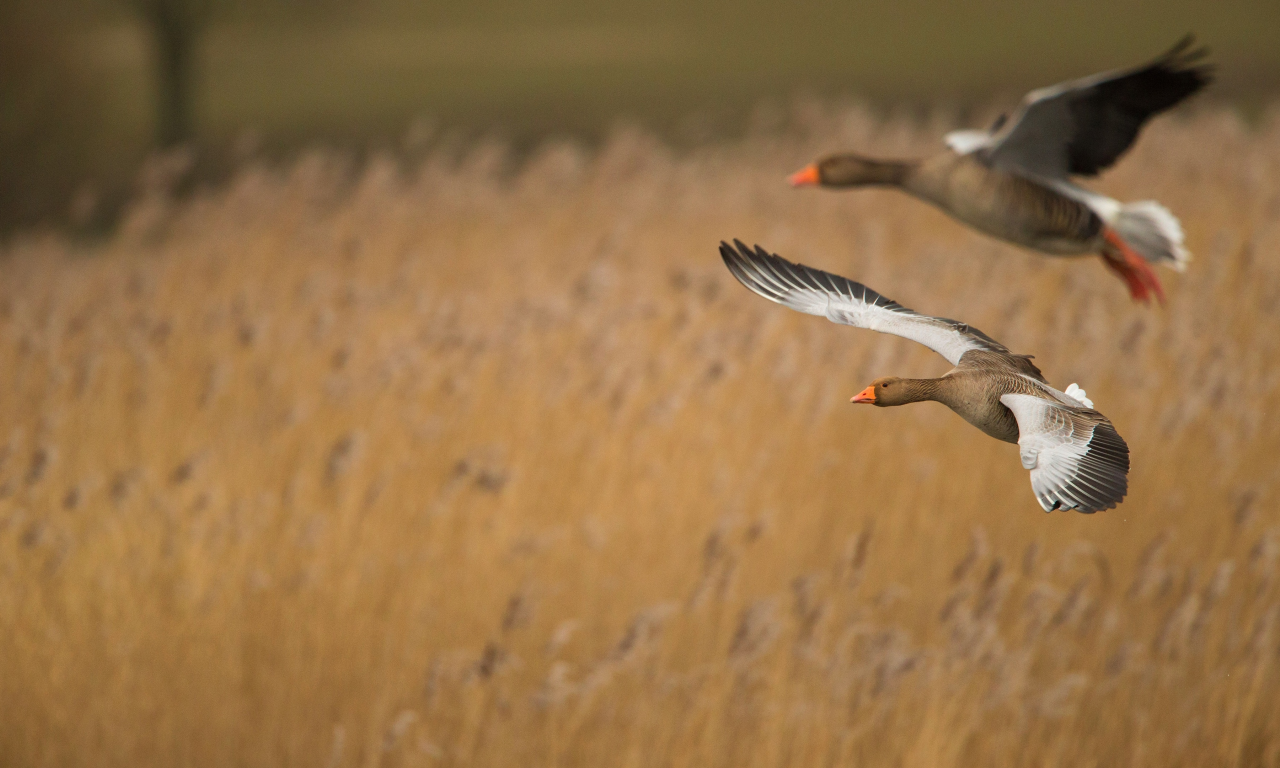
[[1132, 268], [1137, 290]]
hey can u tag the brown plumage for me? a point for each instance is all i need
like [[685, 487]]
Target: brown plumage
[[1013, 181], [1076, 457]]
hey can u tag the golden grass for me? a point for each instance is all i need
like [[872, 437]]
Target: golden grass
[[457, 464]]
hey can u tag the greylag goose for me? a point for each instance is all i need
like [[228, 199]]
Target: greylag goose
[[1013, 181], [1076, 457]]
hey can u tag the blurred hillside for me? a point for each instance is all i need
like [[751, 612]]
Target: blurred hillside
[[77, 90]]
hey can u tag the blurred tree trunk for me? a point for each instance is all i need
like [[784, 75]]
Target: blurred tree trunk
[[175, 27]]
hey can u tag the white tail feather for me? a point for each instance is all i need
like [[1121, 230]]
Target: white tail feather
[[1076, 393], [1146, 226], [964, 142], [1154, 233]]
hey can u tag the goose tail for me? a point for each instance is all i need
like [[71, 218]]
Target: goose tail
[[1155, 234]]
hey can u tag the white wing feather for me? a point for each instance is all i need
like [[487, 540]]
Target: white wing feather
[[1076, 461], [841, 300]]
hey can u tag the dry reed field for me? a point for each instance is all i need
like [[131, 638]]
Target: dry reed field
[[466, 460]]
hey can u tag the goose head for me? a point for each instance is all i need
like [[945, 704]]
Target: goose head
[[849, 171], [892, 390]]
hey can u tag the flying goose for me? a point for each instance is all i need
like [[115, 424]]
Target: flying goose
[[1013, 181], [1076, 457]]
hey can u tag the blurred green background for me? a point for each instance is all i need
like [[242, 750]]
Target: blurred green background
[[78, 99]]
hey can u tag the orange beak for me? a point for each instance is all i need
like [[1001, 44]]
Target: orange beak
[[867, 395], [806, 177]]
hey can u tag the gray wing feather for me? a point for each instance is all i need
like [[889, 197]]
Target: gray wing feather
[[844, 301], [1083, 126], [1076, 457]]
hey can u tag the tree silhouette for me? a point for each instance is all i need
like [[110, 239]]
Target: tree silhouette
[[175, 27]]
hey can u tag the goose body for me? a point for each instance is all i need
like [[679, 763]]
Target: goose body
[[1006, 205], [1013, 181], [1076, 458]]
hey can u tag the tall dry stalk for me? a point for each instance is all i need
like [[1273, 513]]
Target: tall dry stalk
[[483, 463]]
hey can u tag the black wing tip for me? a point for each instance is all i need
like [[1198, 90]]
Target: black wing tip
[[1107, 448], [740, 250], [1182, 51], [728, 253], [745, 262], [1139, 94], [756, 269], [740, 253], [1186, 60], [735, 256], [1107, 445]]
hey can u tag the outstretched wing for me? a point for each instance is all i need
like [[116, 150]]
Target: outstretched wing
[[1083, 126], [841, 300], [1076, 457]]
